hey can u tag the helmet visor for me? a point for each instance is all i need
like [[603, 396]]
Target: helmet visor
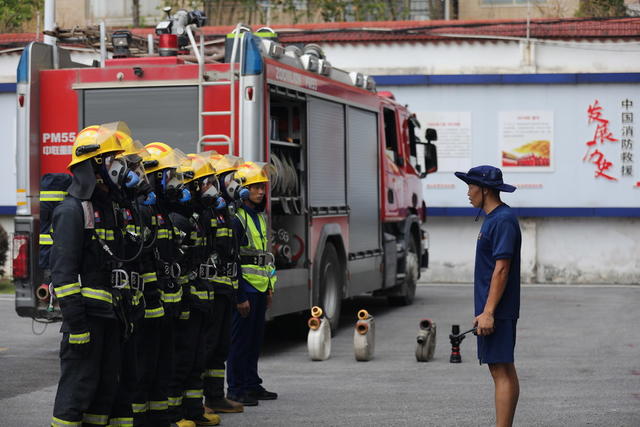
[[224, 163]]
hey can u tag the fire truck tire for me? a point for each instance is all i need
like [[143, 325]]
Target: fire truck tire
[[412, 272], [331, 284]]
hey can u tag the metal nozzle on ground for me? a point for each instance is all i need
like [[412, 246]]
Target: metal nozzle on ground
[[363, 315], [314, 323], [316, 311], [362, 328]]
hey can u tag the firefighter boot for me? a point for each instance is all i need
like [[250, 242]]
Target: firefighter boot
[[183, 423], [207, 420], [223, 405]]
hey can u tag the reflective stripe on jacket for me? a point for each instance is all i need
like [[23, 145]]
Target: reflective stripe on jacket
[[258, 276]]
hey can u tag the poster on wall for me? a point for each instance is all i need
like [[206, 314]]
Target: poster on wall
[[526, 141], [454, 138]]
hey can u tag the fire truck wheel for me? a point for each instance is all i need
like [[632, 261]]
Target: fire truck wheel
[[412, 272], [331, 284]]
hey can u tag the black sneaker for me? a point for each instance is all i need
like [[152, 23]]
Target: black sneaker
[[262, 394], [246, 400]]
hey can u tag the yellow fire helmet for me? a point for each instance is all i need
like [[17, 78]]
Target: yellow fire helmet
[[97, 139], [254, 172], [200, 166], [224, 162], [162, 156]]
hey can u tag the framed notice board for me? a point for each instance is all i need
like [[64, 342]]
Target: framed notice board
[[569, 142]]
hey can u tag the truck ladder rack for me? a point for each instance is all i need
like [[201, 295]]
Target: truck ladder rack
[[216, 79]]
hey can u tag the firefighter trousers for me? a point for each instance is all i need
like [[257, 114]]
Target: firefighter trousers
[[247, 334], [122, 414], [154, 362], [218, 343], [89, 375], [186, 386]]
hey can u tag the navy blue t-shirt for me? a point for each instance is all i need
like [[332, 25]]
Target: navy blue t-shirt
[[499, 238]]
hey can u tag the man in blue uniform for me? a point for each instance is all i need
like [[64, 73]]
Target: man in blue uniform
[[496, 285], [255, 290]]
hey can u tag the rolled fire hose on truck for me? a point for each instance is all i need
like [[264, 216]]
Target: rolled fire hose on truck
[[286, 183], [282, 248], [319, 338]]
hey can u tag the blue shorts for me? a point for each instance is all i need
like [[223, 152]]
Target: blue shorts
[[498, 347]]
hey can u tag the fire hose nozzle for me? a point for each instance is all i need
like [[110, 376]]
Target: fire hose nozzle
[[314, 323], [316, 311], [363, 315], [422, 337], [42, 293], [362, 327], [425, 324]]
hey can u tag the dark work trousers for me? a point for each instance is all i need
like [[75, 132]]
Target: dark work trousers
[[89, 376], [185, 387], [247, 334], [218, 342], [122, 413], [154, 339]]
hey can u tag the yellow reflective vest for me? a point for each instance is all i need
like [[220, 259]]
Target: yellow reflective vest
[[261, 277]]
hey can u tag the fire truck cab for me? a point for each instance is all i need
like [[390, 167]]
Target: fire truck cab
[[346, 207]]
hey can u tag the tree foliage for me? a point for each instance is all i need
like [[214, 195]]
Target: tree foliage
[[224, 12], [601, 9], [14, 13], [4, 249]]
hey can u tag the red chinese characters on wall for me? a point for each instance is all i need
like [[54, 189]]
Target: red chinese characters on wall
[[601, 135]]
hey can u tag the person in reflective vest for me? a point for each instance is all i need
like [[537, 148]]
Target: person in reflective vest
[[255, 290], [87, 249]]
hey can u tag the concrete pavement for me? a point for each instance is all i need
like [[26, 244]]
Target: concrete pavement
[[578, 358]]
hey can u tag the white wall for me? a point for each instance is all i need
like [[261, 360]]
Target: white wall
[[8, 144], [494, 57], [554, 250], [118, 12]]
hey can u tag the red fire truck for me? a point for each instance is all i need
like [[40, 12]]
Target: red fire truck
[[346, 205]]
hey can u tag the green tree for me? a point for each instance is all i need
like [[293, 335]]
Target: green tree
[[14, 13], [601, 9], [4, 249]]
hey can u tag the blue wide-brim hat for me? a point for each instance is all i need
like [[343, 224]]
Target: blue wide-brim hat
[[486, 176]]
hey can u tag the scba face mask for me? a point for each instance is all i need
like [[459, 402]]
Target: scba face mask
[[117, 174], [210, 193], [234, 189], [173, 186]]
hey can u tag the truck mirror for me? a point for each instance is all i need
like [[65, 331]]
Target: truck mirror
[[430, 157], [431, 135]]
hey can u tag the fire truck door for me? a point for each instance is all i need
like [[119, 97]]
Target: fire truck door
[[363, 192], [393, 166], [327, 184]]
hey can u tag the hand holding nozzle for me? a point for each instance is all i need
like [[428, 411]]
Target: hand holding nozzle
[[461, 336], [456, 338]]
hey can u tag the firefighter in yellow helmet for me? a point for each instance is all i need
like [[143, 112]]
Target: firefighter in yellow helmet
[[87, 249], [133, 301], [255, 289], [225, 285], [186, 385]]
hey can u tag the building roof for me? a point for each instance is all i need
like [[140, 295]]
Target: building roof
[[428, 31]]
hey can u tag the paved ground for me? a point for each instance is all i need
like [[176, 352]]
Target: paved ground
[[578, 357]]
